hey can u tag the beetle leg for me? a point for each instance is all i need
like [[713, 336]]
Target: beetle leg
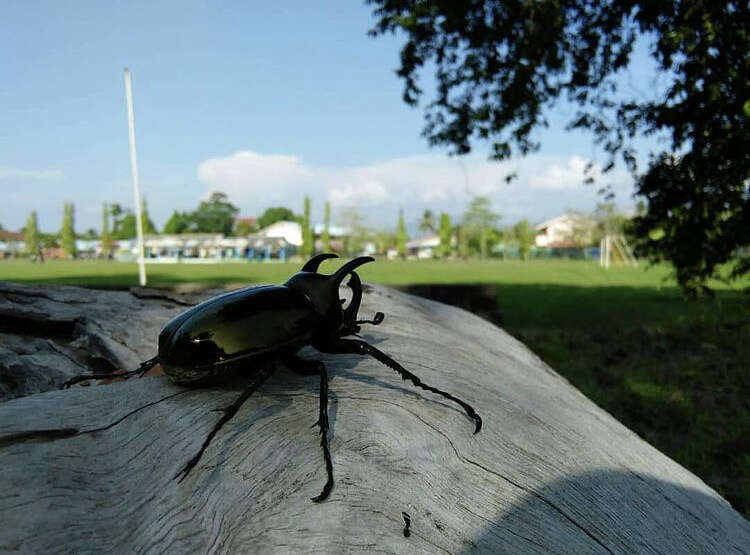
[[140, 372], [309, 368], [355, 346], [229, 413]]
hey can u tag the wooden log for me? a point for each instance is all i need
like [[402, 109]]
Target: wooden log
[[49, 334], [91, 469]]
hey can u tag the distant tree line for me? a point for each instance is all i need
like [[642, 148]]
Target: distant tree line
[[35, 241], [215, 215], [475, 234]]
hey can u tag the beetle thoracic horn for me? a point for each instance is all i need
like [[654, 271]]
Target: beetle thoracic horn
[[312, 264], [341, 273]]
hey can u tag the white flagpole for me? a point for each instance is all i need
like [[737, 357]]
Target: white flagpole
[[134, 170]]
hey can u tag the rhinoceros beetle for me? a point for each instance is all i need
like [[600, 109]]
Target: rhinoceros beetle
[[249, 330]]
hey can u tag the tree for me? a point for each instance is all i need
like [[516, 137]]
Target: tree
[[118, 213], [356, 231], [124, 222], [700, 222], [308, 237], [244, 227], [446, 235], [384, 240], [90, 234], [276, 214], [148, 226], [462, 236], [31, 237], [401, 235], [67, 233], [607, 221], [178, 222], [125, 226], [524, 234], [215, 215], [500, 64], [106, 238], [325, 237], [427, 223], [479, 220]]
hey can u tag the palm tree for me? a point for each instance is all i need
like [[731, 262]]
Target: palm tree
[[427, 225]]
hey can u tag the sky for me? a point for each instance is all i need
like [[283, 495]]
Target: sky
[[264, 101]]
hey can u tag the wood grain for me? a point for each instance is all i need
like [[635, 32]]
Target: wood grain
[[90, 469]]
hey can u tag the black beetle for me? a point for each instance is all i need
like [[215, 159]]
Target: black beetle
[[249, 330]]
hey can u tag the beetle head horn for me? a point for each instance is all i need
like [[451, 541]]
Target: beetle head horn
[[342, 272], [312, 264]]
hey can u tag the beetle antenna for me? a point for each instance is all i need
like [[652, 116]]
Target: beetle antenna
[[342, 272], [312, 264]]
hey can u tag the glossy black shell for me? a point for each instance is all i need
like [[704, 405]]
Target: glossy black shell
[[236, 329]]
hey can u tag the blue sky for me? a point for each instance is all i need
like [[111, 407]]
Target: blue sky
[[264, 101]]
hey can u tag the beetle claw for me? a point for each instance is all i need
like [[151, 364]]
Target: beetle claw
[[376, 321]]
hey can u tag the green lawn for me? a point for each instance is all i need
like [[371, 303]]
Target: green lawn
[[553, 272], [674, 371]]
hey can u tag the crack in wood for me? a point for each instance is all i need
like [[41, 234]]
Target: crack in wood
[[37, 435], [54, 434], [134, 411], [148, 293]]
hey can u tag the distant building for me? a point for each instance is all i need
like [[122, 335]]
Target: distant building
[[88, 248], [570, 230], [53, 253], [337, 234], [205, 247], [423, 247], [291, 232], [11, 243], [334, 231]]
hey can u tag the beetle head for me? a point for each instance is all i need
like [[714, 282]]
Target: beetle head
[[323, 290]]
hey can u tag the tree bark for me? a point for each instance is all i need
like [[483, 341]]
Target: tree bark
[[90, 469]]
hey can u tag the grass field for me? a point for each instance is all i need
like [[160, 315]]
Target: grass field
[[674, 371], [113, 274]]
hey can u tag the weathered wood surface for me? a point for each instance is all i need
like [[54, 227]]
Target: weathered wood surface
[[48, 334], [90, 469]]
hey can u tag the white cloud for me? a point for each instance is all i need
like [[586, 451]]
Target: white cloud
[[365, 191], [563, 176], [257, 179], [545, 185], [19, 173]]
